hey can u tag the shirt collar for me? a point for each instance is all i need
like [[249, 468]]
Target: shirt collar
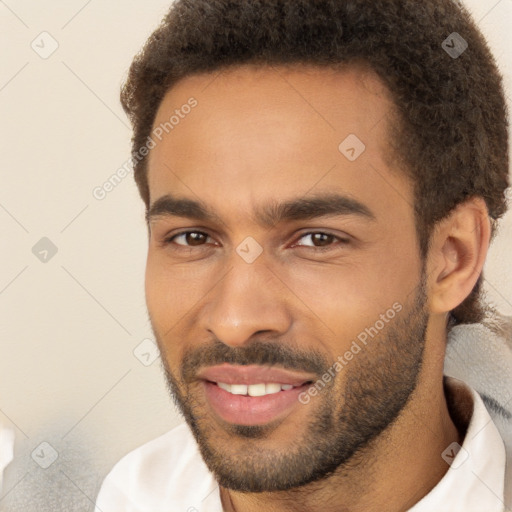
[[476, 477]]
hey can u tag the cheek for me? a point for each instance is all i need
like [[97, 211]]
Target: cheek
[[348, 297], [166, 306], [155, 288], [339, 298], [172, 290]]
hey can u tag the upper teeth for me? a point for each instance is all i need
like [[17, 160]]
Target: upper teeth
[[254, 389]]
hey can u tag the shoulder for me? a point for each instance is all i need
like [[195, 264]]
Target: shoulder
[[481, 356], [167, 473]]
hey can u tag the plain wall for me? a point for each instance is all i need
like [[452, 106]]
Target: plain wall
[[69, 326]]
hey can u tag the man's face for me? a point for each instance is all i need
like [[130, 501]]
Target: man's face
[[303, 267]]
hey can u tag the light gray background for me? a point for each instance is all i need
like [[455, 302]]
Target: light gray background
[[69, 326]]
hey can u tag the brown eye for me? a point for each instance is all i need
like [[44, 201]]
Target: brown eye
[[195, 238], [189, 238], [320, 239]]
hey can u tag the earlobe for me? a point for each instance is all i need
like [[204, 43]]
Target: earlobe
[[459, 248]]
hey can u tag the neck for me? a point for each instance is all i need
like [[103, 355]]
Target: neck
[[394, 472]]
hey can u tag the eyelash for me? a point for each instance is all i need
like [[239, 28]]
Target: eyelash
[[342, 241]]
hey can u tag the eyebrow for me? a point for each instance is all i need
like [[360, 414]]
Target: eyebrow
[[305, 208]]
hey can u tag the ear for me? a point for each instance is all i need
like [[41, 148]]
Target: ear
[[457, 254]]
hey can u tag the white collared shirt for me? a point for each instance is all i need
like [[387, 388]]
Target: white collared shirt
[[168, 474], [475, 480]]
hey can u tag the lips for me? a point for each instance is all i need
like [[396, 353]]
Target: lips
[[252, 395]]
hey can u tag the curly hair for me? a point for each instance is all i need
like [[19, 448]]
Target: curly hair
[[451, 132]]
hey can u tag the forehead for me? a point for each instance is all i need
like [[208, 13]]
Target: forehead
[[261, 133]]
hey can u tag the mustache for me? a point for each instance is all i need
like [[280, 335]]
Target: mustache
[[258, 352]]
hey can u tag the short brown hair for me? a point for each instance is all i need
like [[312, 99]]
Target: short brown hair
[[452, 138]]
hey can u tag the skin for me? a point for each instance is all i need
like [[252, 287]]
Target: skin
[[272, 134]]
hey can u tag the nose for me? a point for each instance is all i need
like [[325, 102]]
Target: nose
[[248, 300]]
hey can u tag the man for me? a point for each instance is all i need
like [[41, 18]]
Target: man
[[322, 182]]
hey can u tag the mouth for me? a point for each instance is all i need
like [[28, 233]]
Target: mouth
[[252, 395], [261, 389]]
